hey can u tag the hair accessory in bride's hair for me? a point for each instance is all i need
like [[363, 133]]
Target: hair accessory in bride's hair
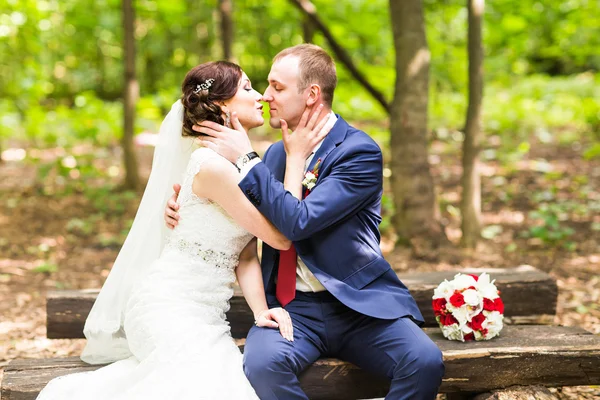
[[204, 86]]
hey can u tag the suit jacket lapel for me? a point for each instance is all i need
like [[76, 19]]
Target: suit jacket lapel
[[331, 141], [278, 165]]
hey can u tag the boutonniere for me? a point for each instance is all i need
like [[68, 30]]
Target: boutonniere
[[310, 177]]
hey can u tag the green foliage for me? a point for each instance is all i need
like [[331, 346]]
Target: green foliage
[[62, 64], [592, 152], [80, 227], [69, 173], [534, 105], [491, 231], [548, 226], [46, 268], [110, 202], [387, 211]]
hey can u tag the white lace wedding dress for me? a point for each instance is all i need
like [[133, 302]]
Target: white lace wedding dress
[[175, 318]]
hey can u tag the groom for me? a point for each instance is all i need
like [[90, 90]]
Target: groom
[[344, 299]]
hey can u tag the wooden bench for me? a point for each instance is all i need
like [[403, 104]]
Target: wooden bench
[[68, 309], [533, 354], [522, 355]]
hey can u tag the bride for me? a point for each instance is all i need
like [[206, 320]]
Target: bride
[[159, 319]]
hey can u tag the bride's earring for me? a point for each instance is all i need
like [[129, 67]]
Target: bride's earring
[[227, 119]]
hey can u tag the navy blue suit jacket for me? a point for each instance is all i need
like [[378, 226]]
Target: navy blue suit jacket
[[336, 229]]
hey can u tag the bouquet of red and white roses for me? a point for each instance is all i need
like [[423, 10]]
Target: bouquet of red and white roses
[[468, 307]]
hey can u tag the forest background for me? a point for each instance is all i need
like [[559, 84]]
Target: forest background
[[84, 86]]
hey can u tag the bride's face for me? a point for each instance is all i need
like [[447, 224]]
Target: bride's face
[[246, 103]]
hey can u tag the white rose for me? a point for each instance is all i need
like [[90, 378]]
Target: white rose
[[473, 303], [444, 289], [462, 281], [472, 297], [495, 319], [493, 323], [453, 332], [461, 314], [486, 288], [310, 185]]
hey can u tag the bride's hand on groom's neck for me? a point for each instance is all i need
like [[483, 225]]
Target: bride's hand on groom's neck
[[229, 143]]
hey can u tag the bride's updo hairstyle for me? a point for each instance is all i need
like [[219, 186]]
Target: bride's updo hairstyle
[[204, 89]]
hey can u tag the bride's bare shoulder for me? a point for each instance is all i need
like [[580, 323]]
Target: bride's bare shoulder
[[210, 162]]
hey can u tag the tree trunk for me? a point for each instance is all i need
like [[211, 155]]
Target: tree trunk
[[308, 30], [130, 95], [225, 10], [471, 179], [416, 217]]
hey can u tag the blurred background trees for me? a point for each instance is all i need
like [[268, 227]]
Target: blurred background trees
[[67, 80]]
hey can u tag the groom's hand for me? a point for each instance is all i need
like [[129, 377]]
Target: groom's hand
[[171, 214], [229, 143], [277, 318]]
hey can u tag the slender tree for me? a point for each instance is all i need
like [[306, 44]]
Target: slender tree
[[130, 96], [308, 30], [471, 178], [416, 217], [310, 12], [225, 10]]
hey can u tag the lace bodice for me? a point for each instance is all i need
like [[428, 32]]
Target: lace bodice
[[205, 231]]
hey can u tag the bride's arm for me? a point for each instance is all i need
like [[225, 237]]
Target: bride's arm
[[294, 174], [218, 181], [249, 277]]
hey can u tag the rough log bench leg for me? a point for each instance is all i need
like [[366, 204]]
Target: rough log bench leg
[[68, 309], [522, 355]]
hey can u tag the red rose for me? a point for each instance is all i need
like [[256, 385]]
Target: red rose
[[489, 305], [439, 306], [447, 319], [457, 299], [470, 336], [477, 321], [484, 332], [493, 305], [475, 277], [499, 304]]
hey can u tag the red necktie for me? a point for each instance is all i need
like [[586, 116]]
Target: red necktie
[[285, 290]]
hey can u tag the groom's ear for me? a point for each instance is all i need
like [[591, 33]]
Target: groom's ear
[[314, 95]]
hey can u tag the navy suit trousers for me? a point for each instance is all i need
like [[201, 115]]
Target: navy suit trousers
[[324, 327]]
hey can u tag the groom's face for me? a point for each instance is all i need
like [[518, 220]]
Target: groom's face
[[285, 100]]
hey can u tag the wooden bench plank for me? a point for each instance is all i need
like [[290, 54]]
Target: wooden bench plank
[[522, 355], [68, 309]]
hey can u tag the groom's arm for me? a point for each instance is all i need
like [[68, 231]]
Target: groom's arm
[[352, 183]]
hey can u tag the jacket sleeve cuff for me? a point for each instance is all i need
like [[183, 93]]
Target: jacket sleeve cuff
[[246, 168]]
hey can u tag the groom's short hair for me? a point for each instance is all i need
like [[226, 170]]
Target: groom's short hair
[[316, 66]]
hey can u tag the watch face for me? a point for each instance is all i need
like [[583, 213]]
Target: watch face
[[242, 161]]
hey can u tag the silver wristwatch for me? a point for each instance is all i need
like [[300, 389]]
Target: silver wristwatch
[[245, 159]]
